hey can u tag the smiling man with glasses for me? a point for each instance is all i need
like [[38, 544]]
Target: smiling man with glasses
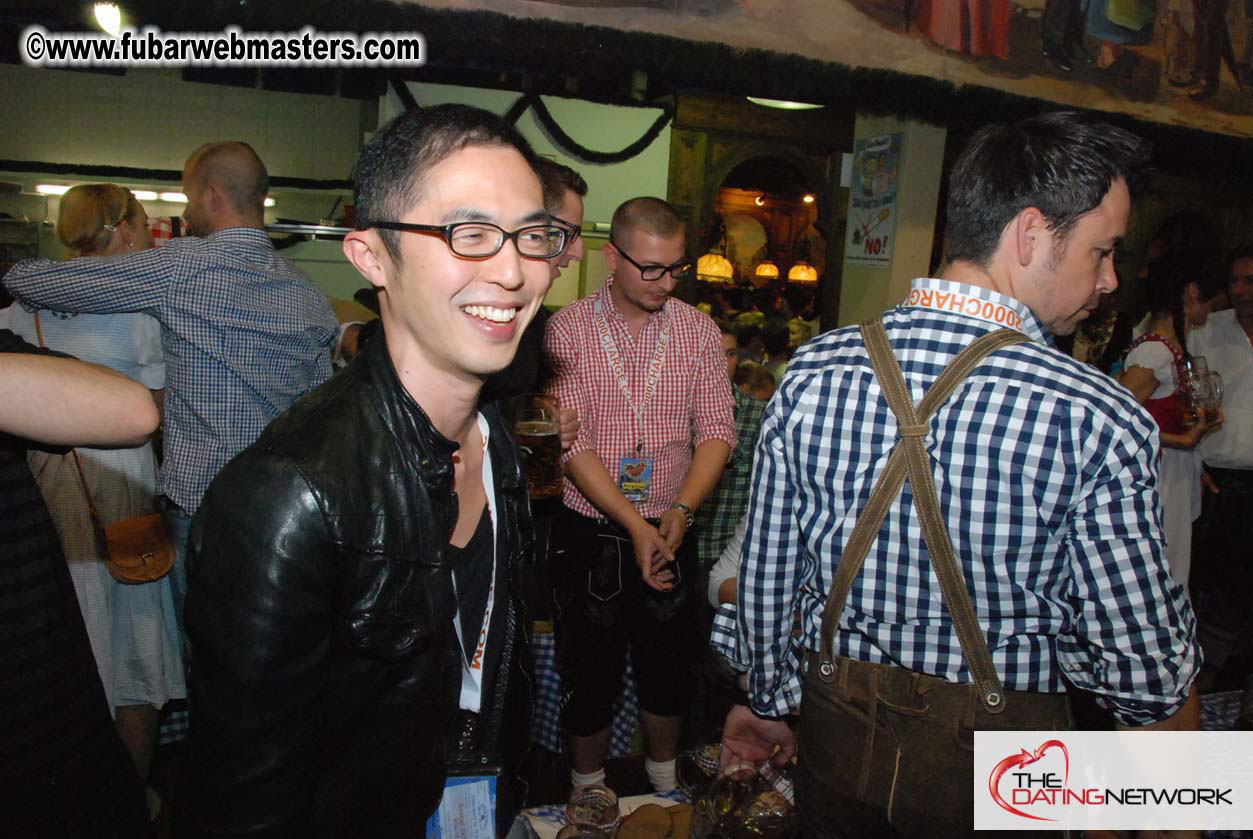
[[648, 378], [352, 610]]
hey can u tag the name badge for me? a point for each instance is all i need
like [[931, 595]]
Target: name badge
[[467, 810], [635, 476]]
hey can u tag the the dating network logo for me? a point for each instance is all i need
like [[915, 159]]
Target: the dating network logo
[[1024, 779], [1113, 780], [1040, 779]]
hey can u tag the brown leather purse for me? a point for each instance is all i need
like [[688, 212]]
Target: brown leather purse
[[135, 550]]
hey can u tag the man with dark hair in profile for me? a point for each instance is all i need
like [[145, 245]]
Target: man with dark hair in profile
[[244, 332], [648, 377], [352, 615], [1041, 473]]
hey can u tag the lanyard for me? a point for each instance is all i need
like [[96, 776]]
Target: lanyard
[[960, 303], [472, 668], [619, 371]]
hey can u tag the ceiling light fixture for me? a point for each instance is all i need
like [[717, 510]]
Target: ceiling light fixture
[[783, 104], [144, 195], [52, 189], [173, 197], [802, 272], [713, 267], [808, 198], [760, 200], [108, 18]]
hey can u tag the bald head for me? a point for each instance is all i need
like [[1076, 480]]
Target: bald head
[[225, 184], [644, 215]]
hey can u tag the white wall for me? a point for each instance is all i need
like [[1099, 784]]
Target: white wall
[[154, 120]]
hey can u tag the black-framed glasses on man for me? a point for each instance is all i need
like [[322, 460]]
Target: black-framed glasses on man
[[573, 231], [482, 239], [652, 273]]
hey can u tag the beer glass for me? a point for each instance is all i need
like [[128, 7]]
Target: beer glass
[[1193, 385], [1213, 396], [594, 806], [537, 427]]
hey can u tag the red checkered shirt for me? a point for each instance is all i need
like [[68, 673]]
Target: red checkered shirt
[[692, 402]]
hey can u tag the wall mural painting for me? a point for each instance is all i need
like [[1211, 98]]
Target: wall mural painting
[[1185, 62], [1189, 54]]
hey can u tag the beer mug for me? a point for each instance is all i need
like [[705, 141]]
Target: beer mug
[[537, 427], [1193, 387], [1213, 396], [594, 806]]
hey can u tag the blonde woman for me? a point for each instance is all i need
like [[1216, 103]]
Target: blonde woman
[[132, 628]]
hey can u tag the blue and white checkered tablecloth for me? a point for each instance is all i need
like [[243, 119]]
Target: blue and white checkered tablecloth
[[546, 722]]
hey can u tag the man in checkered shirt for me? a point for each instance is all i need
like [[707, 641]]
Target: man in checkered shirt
[[243, 332], [647, 376], [1046, 473]]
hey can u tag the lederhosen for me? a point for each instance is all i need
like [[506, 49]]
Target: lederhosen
[[883, 748]]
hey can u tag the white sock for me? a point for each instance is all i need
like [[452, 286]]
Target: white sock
[[579, 780], [661, 774]]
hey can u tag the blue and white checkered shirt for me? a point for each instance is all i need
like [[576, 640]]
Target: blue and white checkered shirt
[[243, 333], [1047, 473]]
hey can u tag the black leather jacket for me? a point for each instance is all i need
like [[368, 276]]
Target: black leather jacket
[[325, 665]]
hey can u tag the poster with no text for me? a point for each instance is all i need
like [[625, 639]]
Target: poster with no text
[[872, 199]]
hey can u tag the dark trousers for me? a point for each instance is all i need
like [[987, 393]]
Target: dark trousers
[[884, 751], [604, 612], [1211, 34], [1222, 576], [1062, 24], [534, 580]]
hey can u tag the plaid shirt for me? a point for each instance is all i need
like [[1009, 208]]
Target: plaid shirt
[[243, 334], [728, 503], [691, 404], [1047, 474]]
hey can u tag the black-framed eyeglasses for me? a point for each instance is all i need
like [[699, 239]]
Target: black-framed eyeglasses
[[481, 239], [652, 273], [573, 231]]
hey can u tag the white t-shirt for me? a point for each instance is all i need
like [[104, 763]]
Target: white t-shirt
[[1226, 348]]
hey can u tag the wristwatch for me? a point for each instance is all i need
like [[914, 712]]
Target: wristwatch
[[686, 511]]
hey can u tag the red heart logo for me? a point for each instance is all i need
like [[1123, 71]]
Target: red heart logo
[[1024, 758]]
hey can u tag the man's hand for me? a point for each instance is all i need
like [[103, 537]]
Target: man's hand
[[568, 420], [652, 554], [673, 527], [750, 739], [1208, 483]]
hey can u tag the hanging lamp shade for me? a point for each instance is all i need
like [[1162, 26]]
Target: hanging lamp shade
[[802, 272], [766, 269], [713, 267]]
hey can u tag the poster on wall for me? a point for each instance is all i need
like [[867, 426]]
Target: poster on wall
[[872, 200]]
